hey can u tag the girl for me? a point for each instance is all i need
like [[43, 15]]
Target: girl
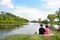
[[47, 31]]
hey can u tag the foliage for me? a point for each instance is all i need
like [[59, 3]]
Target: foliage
[[39, 19], [34, 21], [8, 19], [51, 18], [58, 16], [45, 21]]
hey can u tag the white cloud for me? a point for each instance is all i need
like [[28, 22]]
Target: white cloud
[[7, 3], [52, 4], [30, 13]]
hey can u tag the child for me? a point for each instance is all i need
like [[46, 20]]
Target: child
[[41, 29], [47, 30]]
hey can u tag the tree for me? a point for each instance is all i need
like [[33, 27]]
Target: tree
[[45, 21], [58, 16], [39, 20], [51, 18], [9, 17]]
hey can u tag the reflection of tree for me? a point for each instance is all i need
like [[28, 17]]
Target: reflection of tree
[[9, 26]]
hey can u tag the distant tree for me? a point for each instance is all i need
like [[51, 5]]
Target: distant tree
[[45, 21], [34, 21], [39, 20], [2, 12]]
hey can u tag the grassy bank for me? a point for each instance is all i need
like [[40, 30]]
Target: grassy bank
[[31, 37]]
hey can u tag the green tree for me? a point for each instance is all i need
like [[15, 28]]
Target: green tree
[[9, 17], [39, 20], [45, 21], [58, 16], [51, 18]]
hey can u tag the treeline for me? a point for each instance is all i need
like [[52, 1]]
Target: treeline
[[10, 18], [9, 21]]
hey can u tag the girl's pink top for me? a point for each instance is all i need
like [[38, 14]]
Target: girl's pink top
[[47, 31]]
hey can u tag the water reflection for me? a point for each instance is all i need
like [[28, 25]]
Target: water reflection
[[26, 29], [31, 28]]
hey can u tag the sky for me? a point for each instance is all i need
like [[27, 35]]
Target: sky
[[30, 9]]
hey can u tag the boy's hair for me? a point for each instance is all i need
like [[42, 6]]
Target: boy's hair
[[41, 25]]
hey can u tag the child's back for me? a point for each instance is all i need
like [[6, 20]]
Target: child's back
[[41, 30], [47, 31]]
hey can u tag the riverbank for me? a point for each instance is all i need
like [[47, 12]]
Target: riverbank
[[9, 20], [31, 37]]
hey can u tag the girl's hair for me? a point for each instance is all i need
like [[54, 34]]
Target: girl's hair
[[46, 26]]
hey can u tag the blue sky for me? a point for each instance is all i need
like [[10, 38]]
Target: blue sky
[[29, 3], [30, 9]]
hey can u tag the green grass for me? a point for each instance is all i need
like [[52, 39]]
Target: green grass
[[31, 37]]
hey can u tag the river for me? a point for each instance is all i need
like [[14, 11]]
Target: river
[[31, 28]]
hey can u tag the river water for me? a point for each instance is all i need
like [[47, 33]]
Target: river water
[[31, 28]]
